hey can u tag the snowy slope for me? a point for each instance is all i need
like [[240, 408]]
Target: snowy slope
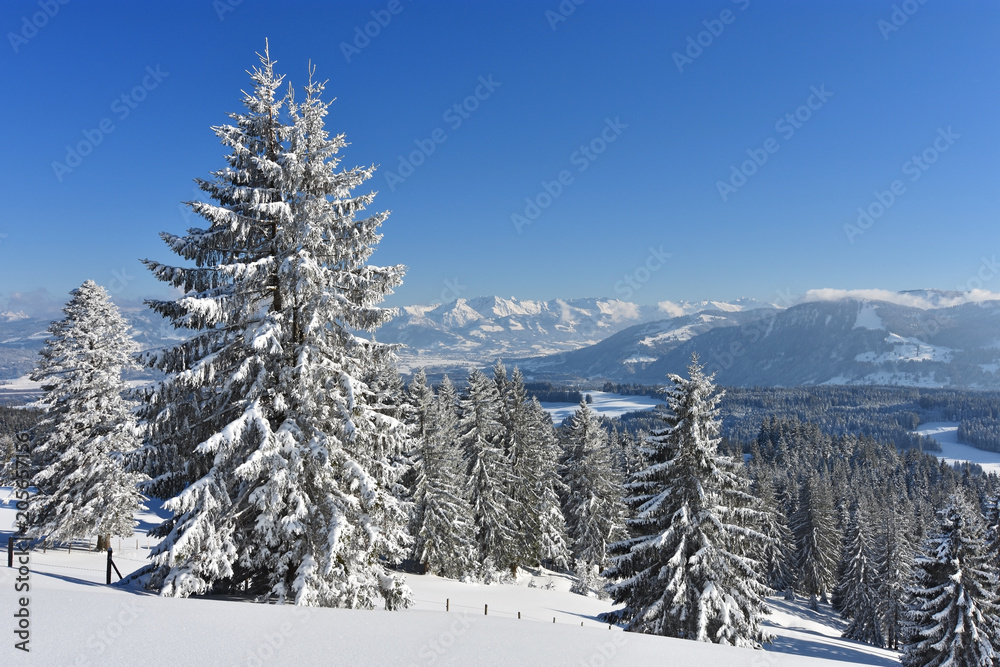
[[946, 434], [830, 341], [473, 332], [21, 338], [626, 355], [453, 336], [605, 404], [76, 620]]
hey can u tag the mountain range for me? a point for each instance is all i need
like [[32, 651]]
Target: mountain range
[[919, 338], [467, 333], [843, 341]]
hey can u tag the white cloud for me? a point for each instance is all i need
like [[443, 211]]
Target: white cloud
[[924, 299], [619, 310], [670, 308]]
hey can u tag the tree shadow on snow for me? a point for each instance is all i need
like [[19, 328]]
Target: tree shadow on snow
[[151, 515], [69, 579], [799, 607], [816, 649]]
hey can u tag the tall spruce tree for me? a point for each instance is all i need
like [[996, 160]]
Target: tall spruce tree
[[993, 532], [952, 609], [893, 559], [817, 541], [266, 437], [594, 508], [444, 530], [859, 583], [488, 470], [776, 556], [87, 425], [523, 480], [686, 571], [543, 458]]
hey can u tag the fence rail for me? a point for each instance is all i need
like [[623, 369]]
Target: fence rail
[[449, 605], [110, 564]]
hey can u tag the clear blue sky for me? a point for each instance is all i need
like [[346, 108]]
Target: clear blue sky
[[676, 136]]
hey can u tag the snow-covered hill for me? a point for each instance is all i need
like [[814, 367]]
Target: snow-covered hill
[[458, 335], [74, 619], [826, 341], [474, 332], [952, 451], [21, 337], [929, 338]]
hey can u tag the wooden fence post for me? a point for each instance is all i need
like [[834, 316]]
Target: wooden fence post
[[486, 610], [111, 564], [447, 604], [10, 552]]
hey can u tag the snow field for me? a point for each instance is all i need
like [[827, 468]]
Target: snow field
[[946, 434], [77, 620], [605, 404]]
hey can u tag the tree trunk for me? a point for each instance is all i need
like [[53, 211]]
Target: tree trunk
[[103, 542]]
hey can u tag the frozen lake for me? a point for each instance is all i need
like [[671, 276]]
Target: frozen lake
[[605, 403], [946, 434]]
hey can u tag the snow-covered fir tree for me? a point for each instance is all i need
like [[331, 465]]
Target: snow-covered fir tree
[[551, 541], [266, 437], [447, 416], [859, 582], [594, 507], [443, 529], [489, 471], [516, 441], [588, 580], [894, 553], [992, 534], [87, 425], [776, 556], [686, 571], [532, 449], [817, 541], [952, 609]]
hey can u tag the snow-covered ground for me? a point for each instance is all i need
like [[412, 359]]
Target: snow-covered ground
[[907, 349], [946, 434], [605, 403], [76, 620], [24, 389], [21, 389]]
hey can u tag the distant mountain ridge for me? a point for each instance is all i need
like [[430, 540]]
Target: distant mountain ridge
[[831, 341], [915, 338], [460, 335], [21, 337], [467, 333]]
